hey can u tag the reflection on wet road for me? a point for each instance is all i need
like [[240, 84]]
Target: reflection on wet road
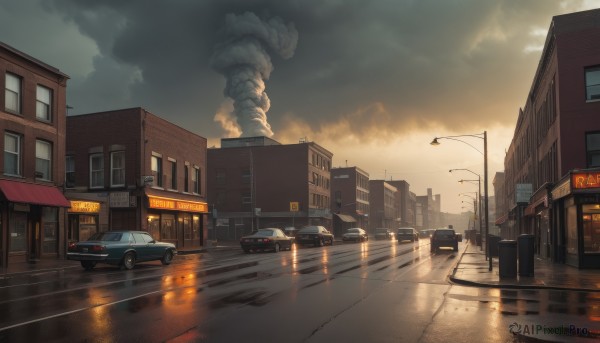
[[373, 291]]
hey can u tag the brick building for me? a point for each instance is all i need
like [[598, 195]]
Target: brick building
[[32, 113], [384, 212], [556, 142], [130, 169], [406, 202], [256, 182], [350, 199]]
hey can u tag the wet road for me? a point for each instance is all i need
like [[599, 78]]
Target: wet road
[[377, 291]]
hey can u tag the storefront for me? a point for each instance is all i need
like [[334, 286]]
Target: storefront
[[31, 221], [83, 220], [177, 220], [538, 215], [577, 214]]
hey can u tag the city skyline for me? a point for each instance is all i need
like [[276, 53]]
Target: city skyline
[[373, 83]]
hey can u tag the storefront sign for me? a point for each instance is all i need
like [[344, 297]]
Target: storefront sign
[[585, 180], [561, 190], [523, 192], [84, 207], [177, 205]]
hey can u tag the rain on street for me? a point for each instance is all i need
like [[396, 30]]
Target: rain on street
[[378, 291]]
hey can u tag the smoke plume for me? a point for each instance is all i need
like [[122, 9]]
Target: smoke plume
[[244, 60]]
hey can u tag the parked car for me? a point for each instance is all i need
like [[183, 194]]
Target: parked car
[[315, 234], [355, 234], [407, 234], [426, 233], [121, 248], [272, 239], [444, 238], [383, 233], [290, 231]]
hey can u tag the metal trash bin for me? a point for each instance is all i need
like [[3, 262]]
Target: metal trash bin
[[526, 252], [507, 259], [493, 245]]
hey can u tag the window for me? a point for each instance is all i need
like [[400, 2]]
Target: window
[[173, 174], [246, 201], [186, 177], [43, 103], [246, 176], [12, 93], [43, 160], [593, 149], [50, 230], [70, 171], [97, 171], [157, 171], [592, 83], [196, 180], [12, 154], [117, 169]]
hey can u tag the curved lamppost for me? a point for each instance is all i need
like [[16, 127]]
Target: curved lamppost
[[482, 136]]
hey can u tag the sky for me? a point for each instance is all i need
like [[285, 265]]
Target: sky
[[371, 81]]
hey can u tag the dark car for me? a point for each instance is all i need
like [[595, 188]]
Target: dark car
[[407, 234], [316, 235], [120, 248], [355, 234], [444, 238], [271, 239], [383, 233]]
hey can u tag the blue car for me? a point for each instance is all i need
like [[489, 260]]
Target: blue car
[[120, 248]]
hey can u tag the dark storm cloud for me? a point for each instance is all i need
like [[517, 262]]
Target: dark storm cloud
[[457, 63]]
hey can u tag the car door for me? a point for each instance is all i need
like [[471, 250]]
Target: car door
[[142, 247]]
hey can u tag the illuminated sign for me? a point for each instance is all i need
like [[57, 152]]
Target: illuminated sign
[[585, 180], [84, 207], [294, 206], [177, 205]]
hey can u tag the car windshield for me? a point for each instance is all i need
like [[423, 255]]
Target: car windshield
[[353, 230], [265, 233], [404, 231], [309, 229], [106, 236], [444, 233]]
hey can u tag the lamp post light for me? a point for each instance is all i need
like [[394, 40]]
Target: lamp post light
[[482, 136], [480, 211]]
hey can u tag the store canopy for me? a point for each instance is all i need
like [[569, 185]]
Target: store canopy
[[28, 193], [346, 218]]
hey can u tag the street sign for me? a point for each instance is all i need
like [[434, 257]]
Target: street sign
[[294, 206]]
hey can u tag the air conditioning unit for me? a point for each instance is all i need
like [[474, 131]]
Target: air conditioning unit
[[147, 180]]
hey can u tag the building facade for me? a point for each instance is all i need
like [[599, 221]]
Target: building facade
[[130, 169], [406, 202], [384, 212], [350, 199], [556, 141], [32, 113], [256, 182]]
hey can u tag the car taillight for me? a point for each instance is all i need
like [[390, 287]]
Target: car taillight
[[72, 246], [98, 248], [266, 240]]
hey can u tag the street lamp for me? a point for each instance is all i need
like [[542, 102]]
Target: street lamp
[[482, 136], [480, 205]]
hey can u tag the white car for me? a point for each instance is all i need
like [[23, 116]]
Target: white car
[[355, 234]]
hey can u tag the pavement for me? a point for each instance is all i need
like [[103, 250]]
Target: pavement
[[472, 269]]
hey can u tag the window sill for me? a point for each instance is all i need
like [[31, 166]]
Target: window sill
[[594, 100]]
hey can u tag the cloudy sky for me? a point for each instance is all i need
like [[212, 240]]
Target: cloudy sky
[[371, 81]]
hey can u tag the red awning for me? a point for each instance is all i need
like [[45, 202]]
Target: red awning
[[28, 193]]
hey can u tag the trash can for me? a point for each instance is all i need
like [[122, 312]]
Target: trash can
[[507, 259], [526, 250], [493, 245], [478, 239]]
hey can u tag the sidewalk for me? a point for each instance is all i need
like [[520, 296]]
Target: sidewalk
[[472, 269]]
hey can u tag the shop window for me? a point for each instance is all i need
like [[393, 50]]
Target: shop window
[[591, 228], [12, 93], [43, 160], [87, 227], [154, 226], [43, 105], [12, 154], [96, 171], [196, 228], [572, 246], [592, 83], [187, 226], [157, 171], [49, 229], [18, 232], [168, 227], [117, 169]]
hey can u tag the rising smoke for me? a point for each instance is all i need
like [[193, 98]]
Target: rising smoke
[[244, 60]]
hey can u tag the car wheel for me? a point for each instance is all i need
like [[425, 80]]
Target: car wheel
[[167, 257], [128, 261], [321, 243], [277, 248], [331, 242], [88, 265]]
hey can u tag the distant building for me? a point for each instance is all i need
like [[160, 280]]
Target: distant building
[[32, 112], [553, 161], [130, 169], [350, 198], [406, 203], [383, 210], [428, 211], [256, 182]]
